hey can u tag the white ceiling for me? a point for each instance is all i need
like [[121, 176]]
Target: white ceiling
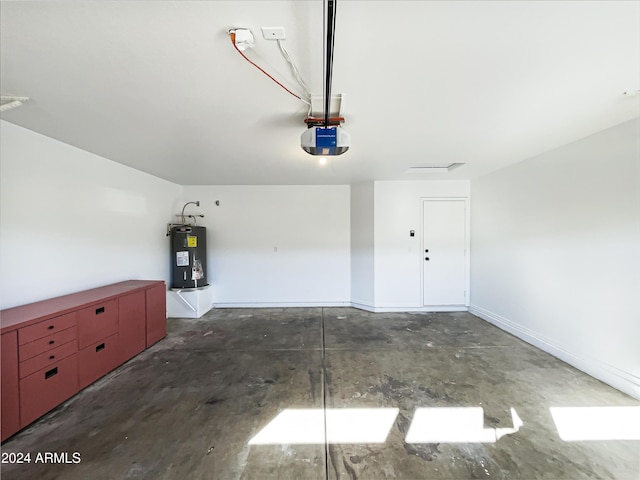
[[158, 86]]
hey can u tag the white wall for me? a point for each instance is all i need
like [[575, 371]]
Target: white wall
[[556, 253], [398, 257], [276, 245], [362, 246], [71, 220]]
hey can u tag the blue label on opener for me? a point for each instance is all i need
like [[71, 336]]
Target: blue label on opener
[[326, 137], [326, 140]]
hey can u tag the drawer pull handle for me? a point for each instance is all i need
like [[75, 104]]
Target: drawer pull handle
[[51, 342], [99, 310], [100, 347], [51, 327], [51, 357], [51, 373]]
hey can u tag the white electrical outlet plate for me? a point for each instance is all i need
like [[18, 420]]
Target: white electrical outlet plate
[[273, 33]]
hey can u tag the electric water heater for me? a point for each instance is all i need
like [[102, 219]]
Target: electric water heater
[[188, 256]]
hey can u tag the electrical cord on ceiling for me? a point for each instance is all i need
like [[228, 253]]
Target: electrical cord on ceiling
[[295, 71], [232, 35]]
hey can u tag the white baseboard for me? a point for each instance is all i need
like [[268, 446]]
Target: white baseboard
[[434, 308], [360, 306], [619, 379], [280, 304]]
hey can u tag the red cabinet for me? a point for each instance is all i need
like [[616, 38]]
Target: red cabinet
[[9, 398], [54, 348], [46, 328], [46, 359], [132, 324], [47, 365], [31, 349], [47, 388], [97, 360], [156, 314], [97, 322]]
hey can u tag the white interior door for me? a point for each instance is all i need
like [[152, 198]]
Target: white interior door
[[444, 252]]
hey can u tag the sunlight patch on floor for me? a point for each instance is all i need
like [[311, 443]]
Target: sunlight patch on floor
[[343, 426], [597, 423]]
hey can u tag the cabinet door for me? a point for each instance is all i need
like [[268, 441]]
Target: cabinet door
[[97, 322], [98, 360], [156, 314], [10, 406], [48, 388], [132, 324]]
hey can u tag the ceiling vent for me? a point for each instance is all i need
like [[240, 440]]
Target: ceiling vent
[[434, 168]]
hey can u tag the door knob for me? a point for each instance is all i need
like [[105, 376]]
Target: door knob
[[427, 250], [426, 258]]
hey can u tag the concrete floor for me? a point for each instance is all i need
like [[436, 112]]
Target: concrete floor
[[188, 407]]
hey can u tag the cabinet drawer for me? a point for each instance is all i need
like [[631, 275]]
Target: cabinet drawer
[[98, 360], [97, 322], [46, 327], [47, 388], [46, 359], [44, 344]]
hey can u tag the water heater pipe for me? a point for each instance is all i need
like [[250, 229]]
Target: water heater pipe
[[197, 204]]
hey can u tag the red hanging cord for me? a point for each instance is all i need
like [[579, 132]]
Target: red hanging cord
[[233, 41]]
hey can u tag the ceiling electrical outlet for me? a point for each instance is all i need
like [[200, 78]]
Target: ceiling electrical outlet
[[273, 33]]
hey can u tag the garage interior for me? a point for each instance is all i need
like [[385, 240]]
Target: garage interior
[[451, 298]]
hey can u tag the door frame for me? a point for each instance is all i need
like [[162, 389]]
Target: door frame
[[467, 247]]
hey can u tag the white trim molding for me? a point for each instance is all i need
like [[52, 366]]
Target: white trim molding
[[360, 306], [619, 379], [280, 304], [430, 308]]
